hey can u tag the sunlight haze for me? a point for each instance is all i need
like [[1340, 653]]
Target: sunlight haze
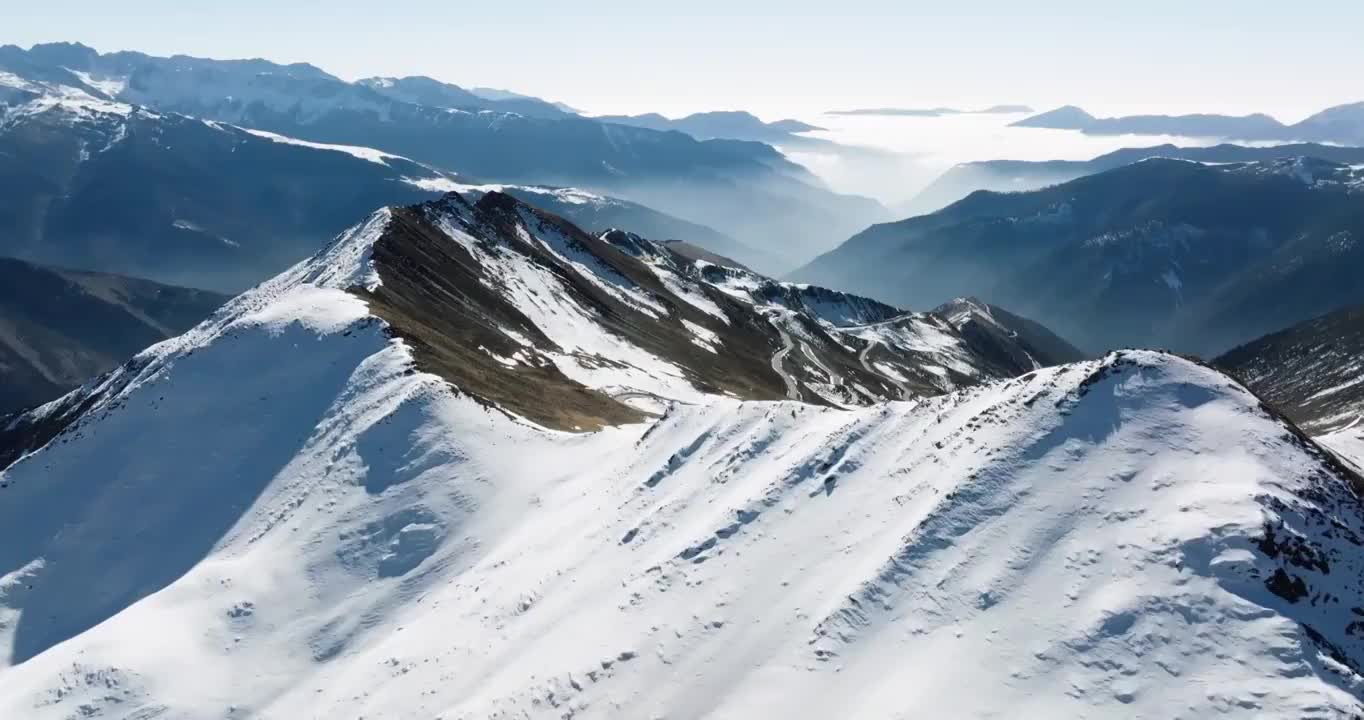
[[779, 58]]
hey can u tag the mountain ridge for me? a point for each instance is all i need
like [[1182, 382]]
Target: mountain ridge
[[1024, 175], [730, 124], [337, 482], [748, 190], [1342, 124], [1165, 253], [105, 185], [1310, 370], [513, 304]]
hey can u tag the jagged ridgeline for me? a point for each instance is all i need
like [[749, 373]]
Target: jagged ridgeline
[[368, 475], [525, 312], [517, 306]]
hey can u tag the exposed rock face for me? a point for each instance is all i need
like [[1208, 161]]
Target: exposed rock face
[[527, 313], [490, 291], [1313, 371]]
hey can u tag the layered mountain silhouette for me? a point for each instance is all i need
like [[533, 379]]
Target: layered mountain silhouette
[[1343, 124], [734, 124], [1021, 175], [103, 185], [1164, 253], [747, 190], [421, 90]]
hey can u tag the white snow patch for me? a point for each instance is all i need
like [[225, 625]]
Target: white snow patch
[[363, 153], [589, 266], [347, 262], [110, 86], [72, 101], [703, 336], [1347, 443], [439, 184]]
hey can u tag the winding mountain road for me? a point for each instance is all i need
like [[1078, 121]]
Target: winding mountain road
[[834, 378], [905, 394], [792, 389]]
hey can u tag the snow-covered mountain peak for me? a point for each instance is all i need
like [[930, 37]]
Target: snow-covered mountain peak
[[630, 318], [960, 310], [20, 97], [528, 314], [353, 489], [1134, 535]]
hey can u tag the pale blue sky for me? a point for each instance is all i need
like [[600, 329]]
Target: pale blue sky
[[777, 56]]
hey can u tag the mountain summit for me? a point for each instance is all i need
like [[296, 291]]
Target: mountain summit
[[364, 488], [525, 312]]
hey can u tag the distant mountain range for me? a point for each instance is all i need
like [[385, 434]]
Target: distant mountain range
[[59, 328], [1312, 371], [1160, 253], [100, 184], [112, 187], [737, 125], [1343, 124], [935, 112], [747, 190], [1021, 175], [499, 94], [420, 90]]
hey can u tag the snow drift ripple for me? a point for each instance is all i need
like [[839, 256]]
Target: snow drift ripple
[[1133, 535]]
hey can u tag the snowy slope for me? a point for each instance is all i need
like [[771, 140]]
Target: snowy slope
[[20, 97], [1348, 444], [1089, 541], [1313, 371], [1010, 333], [280, 515], [524, 311]]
